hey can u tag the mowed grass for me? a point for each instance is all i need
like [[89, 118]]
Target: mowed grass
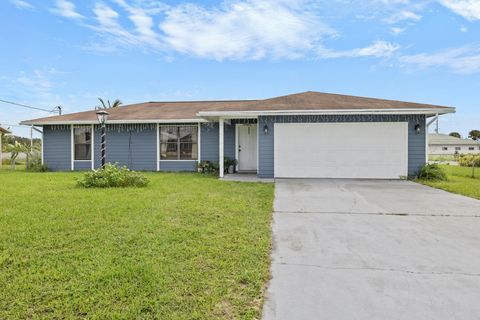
[[186, 247], [459, 181]]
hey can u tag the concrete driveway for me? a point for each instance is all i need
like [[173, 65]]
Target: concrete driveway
[[369, 249]]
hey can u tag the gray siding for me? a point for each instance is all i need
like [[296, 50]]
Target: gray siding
[[178, 165], [56, 148], [209, 139], [229, 141], [82, 165], [416, 142], [135, 149]]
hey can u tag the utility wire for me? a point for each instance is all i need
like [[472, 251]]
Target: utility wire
[[14, 125], [29, 107]]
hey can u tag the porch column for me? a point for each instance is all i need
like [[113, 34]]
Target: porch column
[[220, 147]]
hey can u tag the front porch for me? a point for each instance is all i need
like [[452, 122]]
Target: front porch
[[246, 177], [242, 135]]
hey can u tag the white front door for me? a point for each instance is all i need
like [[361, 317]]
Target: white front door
[[247, 147]]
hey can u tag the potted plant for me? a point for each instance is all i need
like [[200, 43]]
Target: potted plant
[[229, 165]]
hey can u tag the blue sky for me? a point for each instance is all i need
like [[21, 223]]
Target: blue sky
[[59, 52]]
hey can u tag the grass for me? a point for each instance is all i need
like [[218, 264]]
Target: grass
[[186, 247], [459, 181], [442, 158]]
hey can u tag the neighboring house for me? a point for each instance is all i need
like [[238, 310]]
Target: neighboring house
[[3, 131], [442, 144], [305, 135]]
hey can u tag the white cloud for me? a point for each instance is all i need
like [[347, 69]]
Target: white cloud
[[36, 82], [465, 60], [244, 30], [66, 9], [469, 9], [115, 34], [21, 4], [396, 30], [378, 49], [463, 29], [403, 15]]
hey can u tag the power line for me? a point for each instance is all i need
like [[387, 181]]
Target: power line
[[55, 110], [15, 125]]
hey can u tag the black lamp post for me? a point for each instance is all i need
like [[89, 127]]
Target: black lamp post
[[102, 116]]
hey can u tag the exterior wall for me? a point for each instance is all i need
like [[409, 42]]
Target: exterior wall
[[57, 147], [185, 165], [134, 148], [438, 151], [82, 165], [209, 139], [416, 142]]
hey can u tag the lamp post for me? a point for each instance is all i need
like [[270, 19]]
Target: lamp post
[[102, 116]]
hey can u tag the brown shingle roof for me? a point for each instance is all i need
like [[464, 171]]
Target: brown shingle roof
[[183, 110]]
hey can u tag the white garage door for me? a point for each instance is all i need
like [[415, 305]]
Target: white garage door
[[376, 150]]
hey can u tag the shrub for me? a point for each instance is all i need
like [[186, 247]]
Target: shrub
[[112, 176], [468, 160], [432, 172], [35, 165], [208, 167]]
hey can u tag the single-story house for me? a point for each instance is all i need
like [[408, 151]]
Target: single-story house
[[304, 135], [3, 131], [443, 144]]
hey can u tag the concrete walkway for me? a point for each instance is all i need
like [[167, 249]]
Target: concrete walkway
[[359, 249]]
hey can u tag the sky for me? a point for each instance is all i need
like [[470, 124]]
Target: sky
[[69, 53]]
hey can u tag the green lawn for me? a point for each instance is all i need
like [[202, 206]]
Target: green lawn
[[459, 181], [186, 247]]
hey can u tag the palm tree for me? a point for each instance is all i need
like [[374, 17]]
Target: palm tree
[[15, 149], [109, 105]]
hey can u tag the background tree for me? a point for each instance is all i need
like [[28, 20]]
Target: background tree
[[109, 105], [455, 134], [474, 134]]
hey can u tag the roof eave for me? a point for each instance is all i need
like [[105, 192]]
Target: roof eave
[[233, 114], [86, 122]]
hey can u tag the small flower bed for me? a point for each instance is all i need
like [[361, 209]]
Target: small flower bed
[[112, 176]]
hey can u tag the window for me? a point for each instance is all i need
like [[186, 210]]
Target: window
[[179, 142], [471, 148], [83, 143], [458, 148], [445, 148]]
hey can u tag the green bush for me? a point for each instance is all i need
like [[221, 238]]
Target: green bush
[[468, 160], [432, 172], [208, 167], [112, 176], [35, 165]]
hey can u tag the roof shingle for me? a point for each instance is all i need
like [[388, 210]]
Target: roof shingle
[[183, 110]]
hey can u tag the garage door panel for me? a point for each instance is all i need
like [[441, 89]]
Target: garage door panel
[[341, 150]]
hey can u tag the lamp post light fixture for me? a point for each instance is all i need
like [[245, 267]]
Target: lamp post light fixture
[[102, 116]]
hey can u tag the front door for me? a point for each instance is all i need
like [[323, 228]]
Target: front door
[[247, 147]]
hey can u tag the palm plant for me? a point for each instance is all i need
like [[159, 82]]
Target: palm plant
[[109, 105], [15, 149]]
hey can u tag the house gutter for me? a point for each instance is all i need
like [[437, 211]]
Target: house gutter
[[241, 114], [89, 122]]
